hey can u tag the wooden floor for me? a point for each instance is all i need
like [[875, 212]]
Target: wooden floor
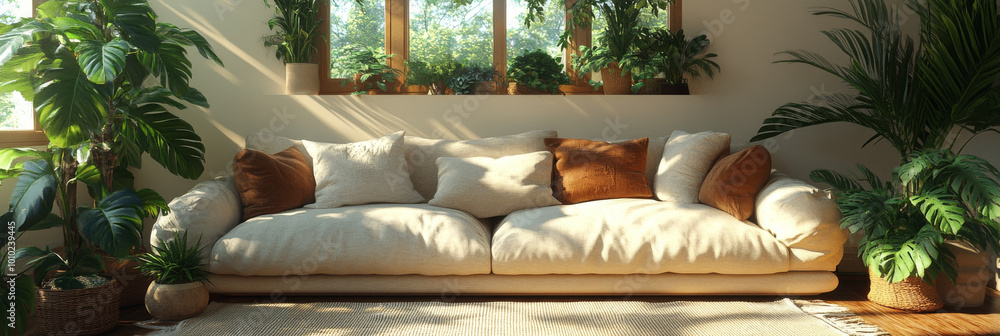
[[983, 320]]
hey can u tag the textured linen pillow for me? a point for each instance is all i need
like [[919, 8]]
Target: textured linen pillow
[[372, 171], [487, 187], [733, 183], [422, 154], [593, 170], [687, 158], [269, 184]]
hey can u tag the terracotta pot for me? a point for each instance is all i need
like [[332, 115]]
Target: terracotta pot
[[969, 289], [88, 311], [679, 89], [912, 294], [176, 302], [615, 81], [301, 79]]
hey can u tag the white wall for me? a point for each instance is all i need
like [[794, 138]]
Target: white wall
[[245, 95]]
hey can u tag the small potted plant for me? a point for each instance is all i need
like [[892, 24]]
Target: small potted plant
[[433, 75], [296, 25], [371, 73], [675, 56], [474, 79], [178, 291], [536, 72]]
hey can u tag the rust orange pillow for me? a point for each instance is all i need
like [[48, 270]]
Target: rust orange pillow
[[733, 183], [273, 183], [588, 170]]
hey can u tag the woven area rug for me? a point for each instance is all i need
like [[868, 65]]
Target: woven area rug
[[781, 317]]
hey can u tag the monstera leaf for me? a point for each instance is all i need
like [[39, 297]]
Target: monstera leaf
[[114, 225], [170, 140], [102, 62], [70, 107], [34, 194]]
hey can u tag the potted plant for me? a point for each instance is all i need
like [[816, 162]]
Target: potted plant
[[296, 25], [474, 79], [178, 291], [370, 69], [83, 64], [675, 56], [927, 99], [536, 72], [433, 75]]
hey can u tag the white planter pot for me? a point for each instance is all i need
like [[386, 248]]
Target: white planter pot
[[176, 302], [301, 79], [969, 289]]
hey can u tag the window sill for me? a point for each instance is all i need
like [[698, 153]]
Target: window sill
[[22, 139]]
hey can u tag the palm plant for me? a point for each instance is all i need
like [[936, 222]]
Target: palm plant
[[674, 55], [296, 24], [924, 98], [83, 64], [174, 262]]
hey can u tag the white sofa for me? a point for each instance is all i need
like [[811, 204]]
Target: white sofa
[[606, 247]]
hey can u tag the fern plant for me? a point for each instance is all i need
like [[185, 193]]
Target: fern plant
[[174, 262], [936, 195]]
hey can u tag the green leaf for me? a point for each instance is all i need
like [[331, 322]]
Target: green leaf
[[102, 62], [50, 221], [16, 74], [152, 203], [835, 179], [136, 20], [941, 209], [12, 41], [70, 107], [114, 225], [77, 29], [170, 64], [8, 156], [194, 96], [204, 48], [34, 194], [170, 140]]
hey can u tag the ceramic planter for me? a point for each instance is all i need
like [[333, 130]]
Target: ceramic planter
[[301, 79], [176, 302], [969, 289]]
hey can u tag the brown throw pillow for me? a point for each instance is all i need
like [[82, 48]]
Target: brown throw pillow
[[733, 183], [593, 170], [273, 183]]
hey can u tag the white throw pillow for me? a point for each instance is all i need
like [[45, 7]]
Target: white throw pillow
[[373, 171], [687, 158], [487, 187]]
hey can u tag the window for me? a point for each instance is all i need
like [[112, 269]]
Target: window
[[17, 116], [480, 32]]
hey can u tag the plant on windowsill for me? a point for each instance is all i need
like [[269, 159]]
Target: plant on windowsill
[[924, 98], [178, 291], [371, 72], [83, 64], [536, 72], [675, 56], [433, 75], [474, 79], [296, 25]]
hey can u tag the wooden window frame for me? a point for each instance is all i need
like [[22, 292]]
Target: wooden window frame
[[21, 138], [397, 41]]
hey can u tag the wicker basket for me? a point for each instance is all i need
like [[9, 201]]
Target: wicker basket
[[912, 294], [88, 311], [616, 82]]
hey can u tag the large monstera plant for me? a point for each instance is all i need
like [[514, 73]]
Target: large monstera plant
[[84, 63]]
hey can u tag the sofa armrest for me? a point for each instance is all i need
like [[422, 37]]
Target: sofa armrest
[[208, 211], [804, 218]]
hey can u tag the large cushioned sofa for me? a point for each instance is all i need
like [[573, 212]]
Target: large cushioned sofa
[[620, 246]]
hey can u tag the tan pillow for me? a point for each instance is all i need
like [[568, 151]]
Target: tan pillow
[[373, 171], [422, 154], [686, 160], [733, 183], [272, 183], [487, 187], [593, 170]]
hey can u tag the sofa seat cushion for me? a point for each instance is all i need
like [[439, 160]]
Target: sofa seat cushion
[[373, 239], [632, 236]]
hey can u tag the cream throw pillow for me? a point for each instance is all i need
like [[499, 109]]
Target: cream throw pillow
[[373, 171], [687, 158], [486, 187]]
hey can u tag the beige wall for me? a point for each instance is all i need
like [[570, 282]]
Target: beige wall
[[245, 95]]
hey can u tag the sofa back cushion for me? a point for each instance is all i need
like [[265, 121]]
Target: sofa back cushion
[[733, 183], [487, 187], [422, 153], [588, 170], [272, 183], [686, 160]]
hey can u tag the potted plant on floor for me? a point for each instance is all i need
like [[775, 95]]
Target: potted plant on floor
[[83, 64], [433, 75], [474, 79], [675, 56], [371, 72], [296, 25], [178, 291], [927, 99], [536, 72]]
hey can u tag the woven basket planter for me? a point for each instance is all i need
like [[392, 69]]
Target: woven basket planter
[[615, 81], [88, 311], [912, 294], [514, 89]]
